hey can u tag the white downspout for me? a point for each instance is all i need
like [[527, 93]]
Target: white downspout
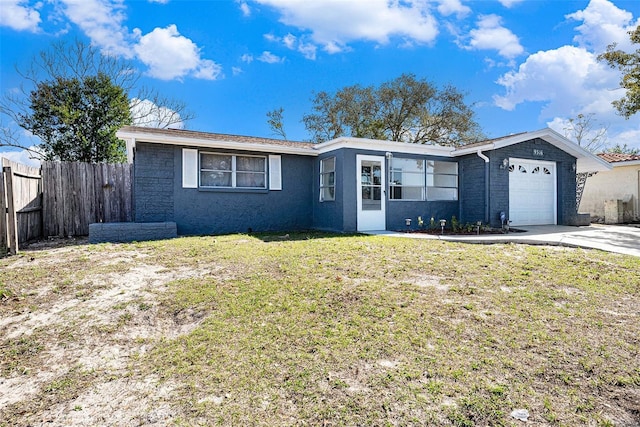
[[486, 185]]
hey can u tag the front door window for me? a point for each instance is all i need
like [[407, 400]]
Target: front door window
[[371, 188]]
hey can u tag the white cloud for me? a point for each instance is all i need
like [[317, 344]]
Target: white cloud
[[569, 79], [335, 23], [602, 24], [491, 35], [101, 21], [289, 41], [244, 8], [237, 71], [270, 58], [299, 44], [170, 55], [450, 7], [247, 58], [147, 114], [630, 137], [158, 1], [21, 156], [509, 3], [308, 50], [18, 15]]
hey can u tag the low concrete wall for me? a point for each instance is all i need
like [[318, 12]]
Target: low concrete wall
[[131, 231]]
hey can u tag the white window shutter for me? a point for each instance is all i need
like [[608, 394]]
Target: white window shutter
[[189, 168], [275, 172]]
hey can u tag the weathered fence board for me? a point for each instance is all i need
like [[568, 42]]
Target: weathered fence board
[[22, 203], [4, 243], [77, 194]]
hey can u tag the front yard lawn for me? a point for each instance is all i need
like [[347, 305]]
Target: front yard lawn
[[319, 329]]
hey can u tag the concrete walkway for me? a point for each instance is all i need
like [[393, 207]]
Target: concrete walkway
[[611, 238]]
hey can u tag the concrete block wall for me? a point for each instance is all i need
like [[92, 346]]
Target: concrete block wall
[[131, 231], [153, 183]]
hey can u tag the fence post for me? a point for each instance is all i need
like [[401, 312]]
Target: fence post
[[12, 221], [3, 217]]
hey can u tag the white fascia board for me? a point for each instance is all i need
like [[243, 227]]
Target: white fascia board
[[586, 161], [625, 163], [384, 146], [462, 151], [214, 144]]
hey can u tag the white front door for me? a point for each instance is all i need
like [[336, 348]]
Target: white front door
[[371, 193], [532, 192]]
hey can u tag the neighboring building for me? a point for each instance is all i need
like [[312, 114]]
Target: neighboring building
[[618, 190], [211, 183]]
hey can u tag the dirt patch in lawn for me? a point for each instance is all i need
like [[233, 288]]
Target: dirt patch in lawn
[[68, 339]]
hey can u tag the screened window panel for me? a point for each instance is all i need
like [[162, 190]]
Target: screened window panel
[[329, 165], [250, 179], [436, 167], [407, 179], [215, 179], [445, 181], [328, 193], [328, 179], [439, 193], [250, 164], [216, 162]]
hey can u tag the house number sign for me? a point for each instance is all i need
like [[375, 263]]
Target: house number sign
[[538, 153]]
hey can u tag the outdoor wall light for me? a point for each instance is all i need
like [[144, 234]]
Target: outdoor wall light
[[505, 164], [407, 221], [443, 222], [573, 167]]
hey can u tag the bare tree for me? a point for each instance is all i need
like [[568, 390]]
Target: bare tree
[[77, 60], [585, 131]]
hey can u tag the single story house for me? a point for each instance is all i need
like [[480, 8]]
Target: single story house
[[211, 183], [614, 195]]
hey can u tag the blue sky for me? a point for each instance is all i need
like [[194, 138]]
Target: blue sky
[[525, 64]]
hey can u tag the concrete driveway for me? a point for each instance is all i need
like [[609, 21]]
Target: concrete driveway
[[611, 238]]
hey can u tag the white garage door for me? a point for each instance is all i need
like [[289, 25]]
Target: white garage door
[[532, 192]]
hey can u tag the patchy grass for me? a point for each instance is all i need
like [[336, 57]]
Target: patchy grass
[[323, 329]]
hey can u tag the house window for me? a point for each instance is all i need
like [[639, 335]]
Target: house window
[[328, 179], [407, 179], [442, 180], [231, 171]]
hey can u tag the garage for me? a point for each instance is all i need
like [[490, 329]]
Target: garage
[[532, 192]]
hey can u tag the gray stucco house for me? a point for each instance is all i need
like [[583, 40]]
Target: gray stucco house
[[212, 183]]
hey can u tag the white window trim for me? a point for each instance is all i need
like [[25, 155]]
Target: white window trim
[[322, 173], [233, 171], [190, 168], [457, 186], [275, 172]]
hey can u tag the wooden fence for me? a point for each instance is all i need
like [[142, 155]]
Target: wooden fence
[[61, 199], [77, 194], [20, 205]]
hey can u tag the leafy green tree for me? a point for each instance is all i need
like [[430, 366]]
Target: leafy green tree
[[623, 149], [629, 65], [405, 109], [76, 119], [77, 75]]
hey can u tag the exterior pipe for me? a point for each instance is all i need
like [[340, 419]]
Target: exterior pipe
[[486, 185]]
